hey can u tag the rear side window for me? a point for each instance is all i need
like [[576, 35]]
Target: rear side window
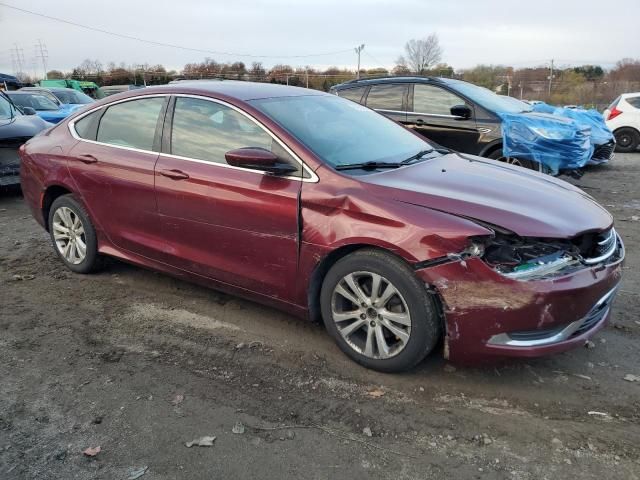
[[131, 124], [634, 101], [87, 126], [354, 94], [613, 104], [387, 97], [205, 130], [434, 100]]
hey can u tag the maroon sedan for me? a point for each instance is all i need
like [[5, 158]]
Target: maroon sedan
[[324, 208]]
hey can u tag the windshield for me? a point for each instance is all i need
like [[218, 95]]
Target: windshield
[[73, 97], [491, 101], [6, 109], [342, 132], [37, 102]]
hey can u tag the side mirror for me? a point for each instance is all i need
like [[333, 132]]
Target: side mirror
[[461, 111], [29, 111], [258, 159]]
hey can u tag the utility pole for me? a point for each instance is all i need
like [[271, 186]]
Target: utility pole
[[550, 76], [358, 50], [306, 70], [43, 54]]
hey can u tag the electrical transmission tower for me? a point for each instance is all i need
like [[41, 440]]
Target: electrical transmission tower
[[17, 59], [43, 54]]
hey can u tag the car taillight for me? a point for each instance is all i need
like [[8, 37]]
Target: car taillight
[[614, 113]]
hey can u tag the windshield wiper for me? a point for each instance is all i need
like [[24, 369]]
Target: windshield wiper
[[415, 157], [366, 165]]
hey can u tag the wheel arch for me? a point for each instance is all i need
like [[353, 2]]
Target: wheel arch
[[627, 127], [325, 264], [491, 147], [48, 197]]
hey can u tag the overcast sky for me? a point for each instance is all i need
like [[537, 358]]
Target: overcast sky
[[470, 31]]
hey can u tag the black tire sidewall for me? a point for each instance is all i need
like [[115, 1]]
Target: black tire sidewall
[[635, 140], [425, 322], [92, 261]]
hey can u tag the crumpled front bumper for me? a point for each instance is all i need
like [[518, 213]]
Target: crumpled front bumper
[[482, 307]]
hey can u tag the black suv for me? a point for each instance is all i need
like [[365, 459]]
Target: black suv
[[451, 113]]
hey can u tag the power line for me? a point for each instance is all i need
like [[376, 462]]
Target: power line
[[43, 54], [162, 44]]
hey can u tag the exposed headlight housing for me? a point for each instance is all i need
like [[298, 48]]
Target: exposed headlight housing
[[553, 133]]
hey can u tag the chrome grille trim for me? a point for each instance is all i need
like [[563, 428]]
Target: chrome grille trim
[[559, 334]]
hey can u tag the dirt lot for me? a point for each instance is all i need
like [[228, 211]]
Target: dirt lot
[[139, 363]]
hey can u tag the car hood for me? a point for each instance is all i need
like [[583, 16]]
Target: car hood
[[22, 126], [528, 203]]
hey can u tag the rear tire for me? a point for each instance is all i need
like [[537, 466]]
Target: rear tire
[[627, 140], [384, 319], [73, 235]]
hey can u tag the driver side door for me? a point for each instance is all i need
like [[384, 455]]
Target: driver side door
[[234, 225], [431, 117]]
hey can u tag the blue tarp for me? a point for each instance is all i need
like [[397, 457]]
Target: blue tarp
[[556, 142]]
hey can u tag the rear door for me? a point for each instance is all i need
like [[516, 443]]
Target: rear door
[[113, 168], [235, 225], [430, 115], [390, 99]]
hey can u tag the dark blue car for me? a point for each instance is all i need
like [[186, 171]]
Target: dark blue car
[[15, 129]]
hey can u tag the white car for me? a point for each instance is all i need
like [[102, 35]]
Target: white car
[[623, 119]]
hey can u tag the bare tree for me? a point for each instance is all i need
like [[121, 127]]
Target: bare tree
[[420, 54]]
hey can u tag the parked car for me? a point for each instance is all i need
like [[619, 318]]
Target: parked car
[[471, 119], [623, 119], [61, 96], [314, 204], [15, 129], [113, 89], [45, 108]]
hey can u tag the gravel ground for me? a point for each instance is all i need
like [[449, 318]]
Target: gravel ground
[[139, 363]]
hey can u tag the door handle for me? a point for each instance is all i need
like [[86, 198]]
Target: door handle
[[174, 174], [419, 121], [87, 158]]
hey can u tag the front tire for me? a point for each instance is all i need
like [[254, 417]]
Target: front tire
[[73, 235], [627, 140], [499, 155], [378, 312]]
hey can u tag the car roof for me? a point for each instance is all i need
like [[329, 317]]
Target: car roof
[[394, 79], [630, 94], [237, 89]]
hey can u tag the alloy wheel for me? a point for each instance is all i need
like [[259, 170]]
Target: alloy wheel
[[69, 235], [371, 315]]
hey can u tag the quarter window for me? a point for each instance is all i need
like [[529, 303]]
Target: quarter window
[[86, 126], [131, 124], [634, 101], [354, 94], [206, 130], [434, 100], [386, 97]]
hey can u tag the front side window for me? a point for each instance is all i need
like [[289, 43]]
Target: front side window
[[205, 130], [434, 100], [131, 124], [354, 94], [341, 132], [386, 97]]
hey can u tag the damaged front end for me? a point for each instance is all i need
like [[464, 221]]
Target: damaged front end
[[523, 258], [508, 295]]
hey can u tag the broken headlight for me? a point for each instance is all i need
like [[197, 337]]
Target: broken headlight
[[528, 258]]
